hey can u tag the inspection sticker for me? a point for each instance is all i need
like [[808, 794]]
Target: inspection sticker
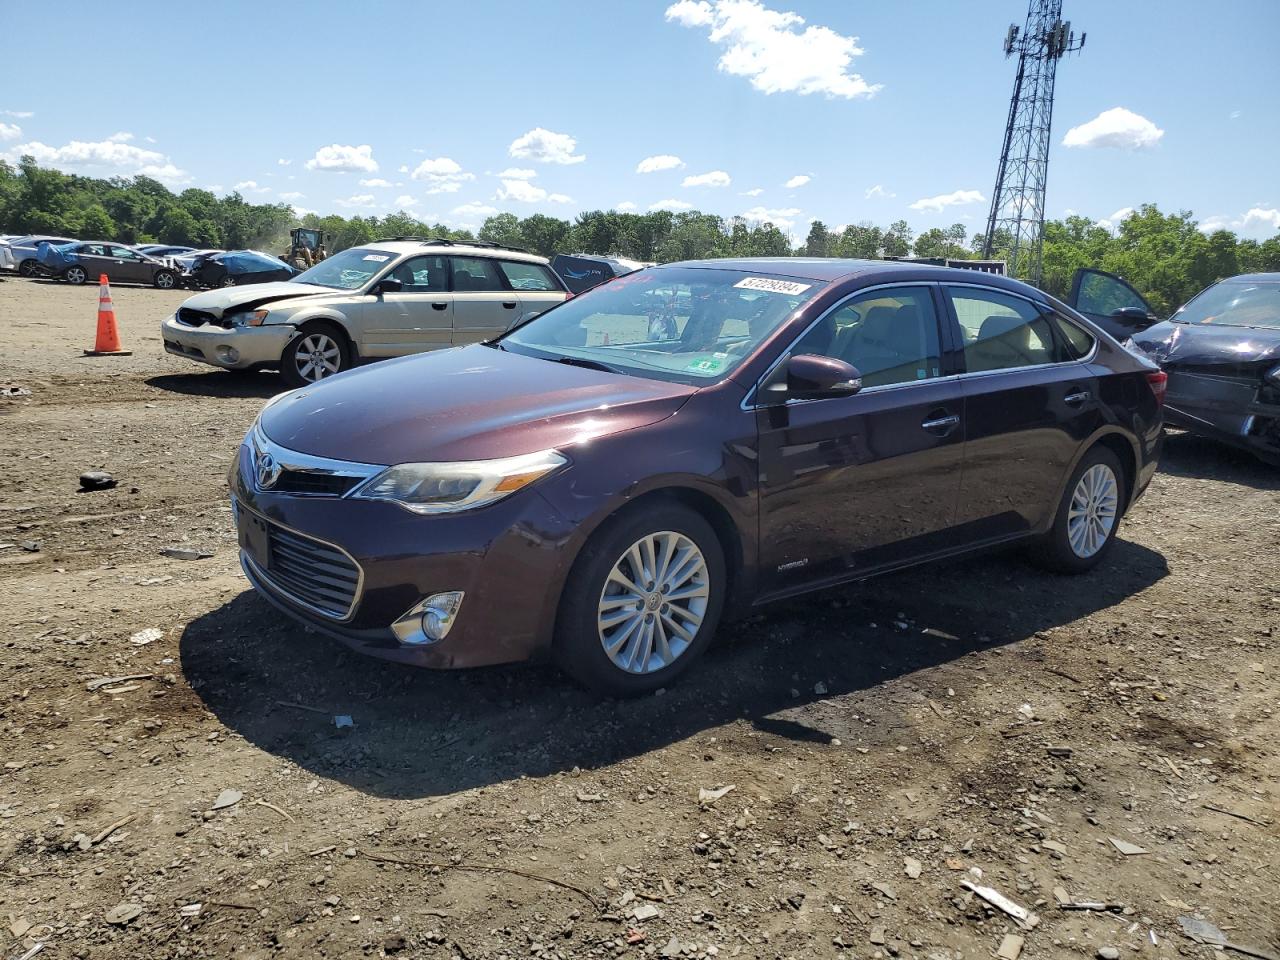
[[772, 286], [376, 257]]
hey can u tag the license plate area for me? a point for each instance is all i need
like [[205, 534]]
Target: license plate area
[[255, 539]]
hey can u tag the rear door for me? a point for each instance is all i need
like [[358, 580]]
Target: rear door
[[1030, 400], [534, 284], [93, 257], [1111, 303], [417, 318], [483, 304]]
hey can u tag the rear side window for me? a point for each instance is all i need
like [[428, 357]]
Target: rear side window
[[475, 275], [93, 249], [1076, 342], [1002, 332], [528, 276]]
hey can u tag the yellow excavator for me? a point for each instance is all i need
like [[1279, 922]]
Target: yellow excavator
[[306, 248]]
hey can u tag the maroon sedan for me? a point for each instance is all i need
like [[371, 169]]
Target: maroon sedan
[[608, 481]]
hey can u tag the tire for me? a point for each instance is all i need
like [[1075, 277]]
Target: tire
[[76, 276], [1088, 517], [317, 352], [28, 268], [227, 282], [657, 641], [165, 280]]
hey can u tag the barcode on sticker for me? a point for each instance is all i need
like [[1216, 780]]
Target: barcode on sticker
[[377, 257], [772, 286]]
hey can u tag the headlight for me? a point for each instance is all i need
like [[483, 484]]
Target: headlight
[[1274, 374], [253, 319], [452, 487]]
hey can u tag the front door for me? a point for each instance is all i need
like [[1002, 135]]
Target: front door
[[856, 483], [483, 306], [127, 265], [1111, 303], [1029, 403], [418, 317]]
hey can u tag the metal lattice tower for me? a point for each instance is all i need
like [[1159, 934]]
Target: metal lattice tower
[[1017, 203]]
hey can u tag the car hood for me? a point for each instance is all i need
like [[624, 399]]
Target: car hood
[[470, 403], [1194, 345], [218, 302]]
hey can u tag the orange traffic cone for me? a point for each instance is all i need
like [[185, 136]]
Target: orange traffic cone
[[107, 343]]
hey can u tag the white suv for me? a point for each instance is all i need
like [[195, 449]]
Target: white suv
[[388, 298]]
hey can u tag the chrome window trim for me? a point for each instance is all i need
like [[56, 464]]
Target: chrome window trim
[[260, 443], [264, 576], [1086, 359]]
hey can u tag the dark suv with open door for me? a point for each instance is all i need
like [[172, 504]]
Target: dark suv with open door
[[605, 488]]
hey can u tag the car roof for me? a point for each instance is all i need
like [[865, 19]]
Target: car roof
[[828, 269], [461, 247], [1255, 278]]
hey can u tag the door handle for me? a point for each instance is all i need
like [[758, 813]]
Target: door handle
[[1076, 399], [941, 425], [509, 304], [437, 305]]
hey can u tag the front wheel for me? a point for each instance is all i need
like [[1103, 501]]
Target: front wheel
[[1088, 517], [317, 352], [75, 276], [165, 280], [642, 602], [28, 268]]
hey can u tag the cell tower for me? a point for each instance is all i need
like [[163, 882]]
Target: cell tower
[[1017, 203]]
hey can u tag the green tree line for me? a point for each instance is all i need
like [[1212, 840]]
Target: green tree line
[[1166, 256]]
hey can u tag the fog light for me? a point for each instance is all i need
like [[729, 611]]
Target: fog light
[[429, 620], [228, 354]]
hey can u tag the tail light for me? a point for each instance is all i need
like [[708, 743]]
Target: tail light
[[1159, 381]]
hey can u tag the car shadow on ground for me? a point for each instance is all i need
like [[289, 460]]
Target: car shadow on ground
[[419, 733], [1200, 458], [220, 383]]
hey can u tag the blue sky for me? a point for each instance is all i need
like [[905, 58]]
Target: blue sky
[[454, 110]]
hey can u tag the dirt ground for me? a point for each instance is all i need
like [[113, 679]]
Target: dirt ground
[[977, 722]]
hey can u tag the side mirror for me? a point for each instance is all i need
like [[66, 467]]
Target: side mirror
[[1135, 317], [810, 377], [389, 285]]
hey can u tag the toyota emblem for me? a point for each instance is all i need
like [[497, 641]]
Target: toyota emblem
[[268, 471]]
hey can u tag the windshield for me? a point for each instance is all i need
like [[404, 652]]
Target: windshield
[[347, 270], [1235, 303], [687, 324]]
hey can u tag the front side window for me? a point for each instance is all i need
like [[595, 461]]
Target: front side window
[[1103, 295], [475, 275], [683, 324], [1001, 331], [1235, 303], [423, 275], [527, 276], [348, 270], [890, 335], [124, 253]]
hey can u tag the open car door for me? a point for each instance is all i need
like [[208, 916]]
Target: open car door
[[1111, 303]]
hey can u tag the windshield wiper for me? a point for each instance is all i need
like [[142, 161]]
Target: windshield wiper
[[589, 364]]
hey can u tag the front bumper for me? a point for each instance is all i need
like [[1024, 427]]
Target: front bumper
[[212, 344], [1225, 409], [510, 559]]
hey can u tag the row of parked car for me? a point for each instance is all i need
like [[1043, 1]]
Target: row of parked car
[[163, 266]]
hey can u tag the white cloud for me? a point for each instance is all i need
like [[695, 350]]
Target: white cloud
[[292, 195], [517, 173], [1116, 127], [250, 186], [767, 47], [441, 175], [402, 168], [753, 192], [626, 206], [545, 146], [120, 137], [10, 131], [522, 191], [18, 114], [404, 201], [360, 200], [799, 180], [1258, 222], [475, 209], [102, 157], [149, 139], [1236, 114], [659, 162], [283, 162], [781, 217], [301, 212], [716, 178], [878, 191], [375, 182], [1259, 217], [675, 206], [942, 201], [344, 159], [1117, 218]]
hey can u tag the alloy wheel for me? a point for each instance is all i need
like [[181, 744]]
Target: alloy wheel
[[165, 280], [75, 275], [317, 356], [653, 602], [1092, 514]]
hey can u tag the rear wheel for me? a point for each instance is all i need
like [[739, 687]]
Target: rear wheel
[[165, 280], [75, 275], [317, 352], [1088, 516], [642, 602]]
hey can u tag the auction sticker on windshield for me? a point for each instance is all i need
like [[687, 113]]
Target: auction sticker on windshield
[[789, 287], [376, 257]]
